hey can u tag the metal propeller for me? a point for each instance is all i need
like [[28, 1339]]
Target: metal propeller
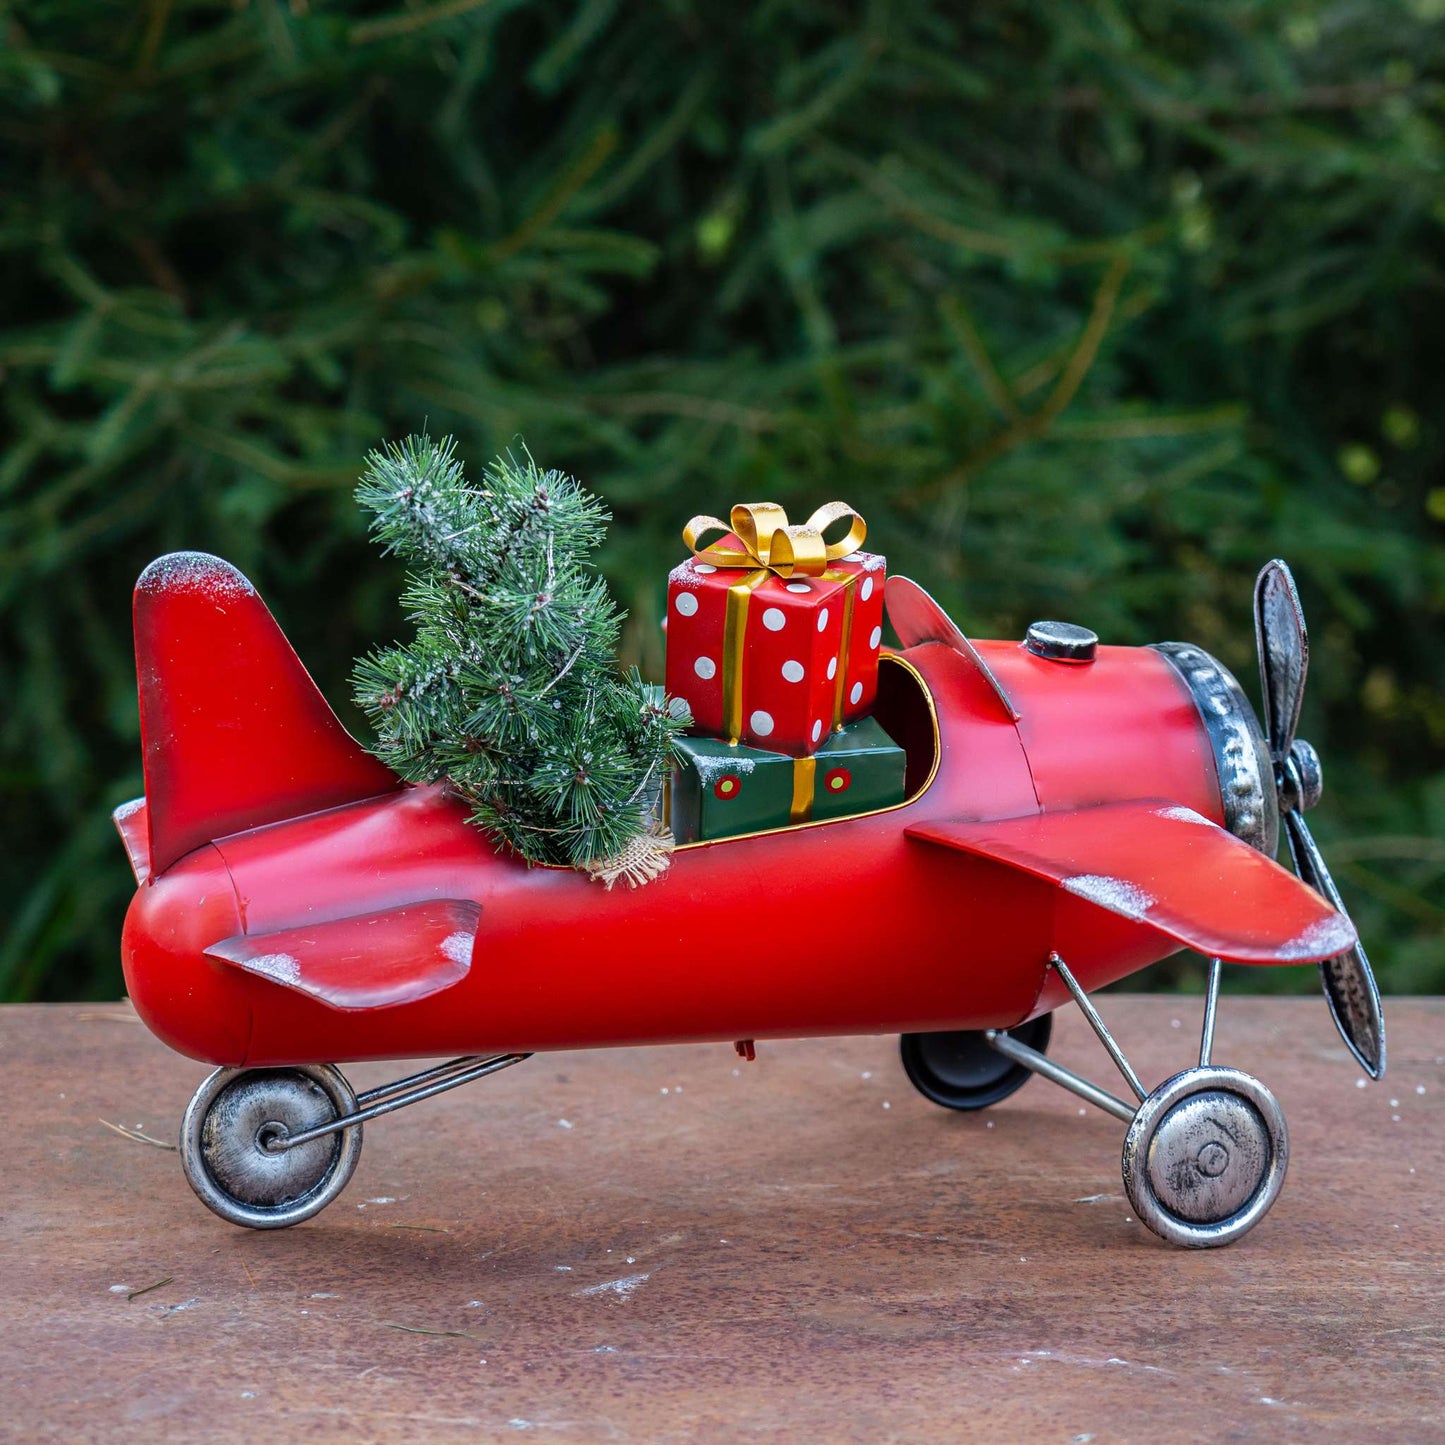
[[1284, 654]]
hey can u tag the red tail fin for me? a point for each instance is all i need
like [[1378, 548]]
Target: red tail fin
[[235, 733]]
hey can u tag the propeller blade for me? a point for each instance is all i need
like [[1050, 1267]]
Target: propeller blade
[[1284, 654], [1348, 981]]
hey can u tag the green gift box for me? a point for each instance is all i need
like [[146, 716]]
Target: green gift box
[[720, 790], [857, 770]]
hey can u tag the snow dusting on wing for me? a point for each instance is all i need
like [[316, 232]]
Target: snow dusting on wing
[[128, 810], [1180, 814], [279, 966], [1116, 894], [1330, 936], [458, 947]]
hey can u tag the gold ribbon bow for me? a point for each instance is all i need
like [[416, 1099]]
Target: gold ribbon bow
[[770, 542], [772, 547]]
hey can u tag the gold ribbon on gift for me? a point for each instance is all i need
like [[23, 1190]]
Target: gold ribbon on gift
[[805, 771], [770, 541], [849, 591], [771, 546]]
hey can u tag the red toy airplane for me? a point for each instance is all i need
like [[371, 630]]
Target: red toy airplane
[[1073, 813]]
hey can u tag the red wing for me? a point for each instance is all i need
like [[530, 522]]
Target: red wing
[[1169, 867], [369, 961]]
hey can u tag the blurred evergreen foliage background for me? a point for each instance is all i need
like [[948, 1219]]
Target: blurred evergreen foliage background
[[1089, 307]]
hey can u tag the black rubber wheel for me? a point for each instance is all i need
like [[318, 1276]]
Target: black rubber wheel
[[961, 1071]]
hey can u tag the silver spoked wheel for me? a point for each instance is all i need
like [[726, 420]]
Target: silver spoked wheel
[[1205, 1156], [229, 1138]]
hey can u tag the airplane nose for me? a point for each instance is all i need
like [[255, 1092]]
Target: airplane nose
[[1301, 780], [1241, 754]]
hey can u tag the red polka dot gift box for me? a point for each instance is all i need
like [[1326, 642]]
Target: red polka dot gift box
[[772, 631]]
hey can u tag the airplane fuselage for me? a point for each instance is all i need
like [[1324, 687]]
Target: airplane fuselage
[[840, 927]]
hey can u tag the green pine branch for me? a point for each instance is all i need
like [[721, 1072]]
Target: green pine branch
[[510, 689]]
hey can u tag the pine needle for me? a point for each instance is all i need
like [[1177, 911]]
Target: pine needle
[[137, 1293], [417, 1330], [138, 1136]]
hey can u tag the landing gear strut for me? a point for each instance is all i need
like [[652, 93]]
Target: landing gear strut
[[1206, 1151], [267, 1148]]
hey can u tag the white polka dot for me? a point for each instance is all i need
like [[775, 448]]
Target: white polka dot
[[832, 668], [704, 567], [856, 693], [823, 620], [875, 637], [817, 730], [774, 619], [705, 668], [799, 587], [686, 603], [866, 590], [761, 723], [792, 671]]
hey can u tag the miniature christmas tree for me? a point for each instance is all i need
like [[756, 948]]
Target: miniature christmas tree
[[511, 689]]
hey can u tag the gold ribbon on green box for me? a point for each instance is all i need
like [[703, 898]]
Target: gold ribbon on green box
[[773, 547]]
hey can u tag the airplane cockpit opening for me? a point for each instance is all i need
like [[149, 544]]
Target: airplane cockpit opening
[[906, 712], [720, 792]]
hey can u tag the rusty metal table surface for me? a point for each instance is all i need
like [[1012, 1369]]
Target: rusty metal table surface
[[670, 1244]]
